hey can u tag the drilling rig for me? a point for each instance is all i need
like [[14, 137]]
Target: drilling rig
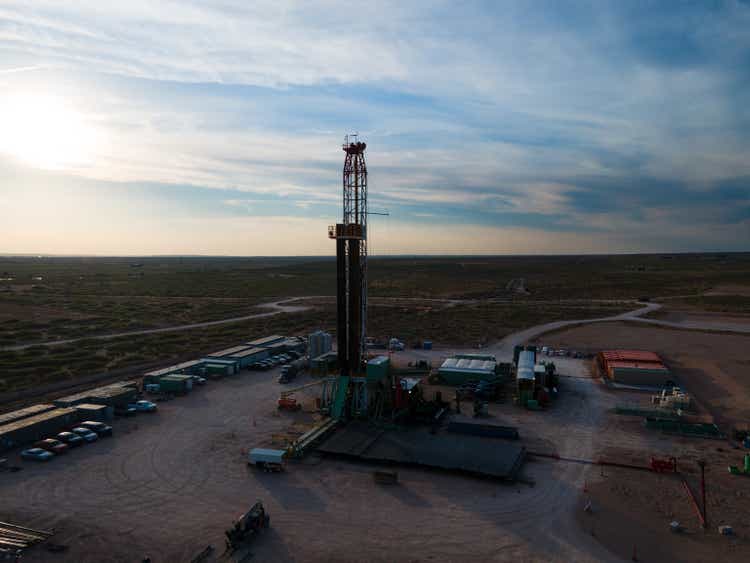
[[351, 275]]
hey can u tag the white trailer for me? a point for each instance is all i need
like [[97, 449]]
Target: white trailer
[[266, 459]]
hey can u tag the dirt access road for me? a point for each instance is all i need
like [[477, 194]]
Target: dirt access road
[[283, 306], [277, 307], [167, 485]]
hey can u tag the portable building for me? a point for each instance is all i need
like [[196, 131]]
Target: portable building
[[12, 416], [230, 352], [188, 379], [154, 375], [175, 384], [634, 367], [218, 369], [232, 366], [192, 367], [642, 356], [377, 368], [275, 349], [116, 394], [525, 379], [248, 356], [484, 357], [462, 368], [36, 427], [90, 411], [635, 373], [266, 341]]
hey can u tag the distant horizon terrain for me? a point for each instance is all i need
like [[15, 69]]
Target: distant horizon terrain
[[372, 257]]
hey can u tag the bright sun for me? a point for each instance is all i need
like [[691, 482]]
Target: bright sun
[[44, 132]]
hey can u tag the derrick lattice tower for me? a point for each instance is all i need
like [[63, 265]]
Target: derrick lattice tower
[[351, 260]]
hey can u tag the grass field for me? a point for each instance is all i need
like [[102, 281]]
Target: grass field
[[56, 298]]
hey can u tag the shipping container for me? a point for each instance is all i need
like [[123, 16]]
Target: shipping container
[[116, 394], [266, 341], [248, 356], [217, 370], [461, 368], [89, 411], [36, 427], [228, 352], [188, 379], [12, 416], [171, 384], [233, 366]]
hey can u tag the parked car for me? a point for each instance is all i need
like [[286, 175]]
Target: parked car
[[87, 435], [52, 445], [143, 406], [37, 454], [70, 438], [100, 428]]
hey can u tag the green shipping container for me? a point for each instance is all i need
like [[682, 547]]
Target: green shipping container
[[173, 385], [218, 369]]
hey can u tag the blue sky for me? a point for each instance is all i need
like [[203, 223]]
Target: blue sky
[[492, 127]]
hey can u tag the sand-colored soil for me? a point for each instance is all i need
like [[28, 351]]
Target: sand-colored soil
[[713, 367]]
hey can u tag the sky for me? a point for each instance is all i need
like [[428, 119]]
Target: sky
[[529, 127]]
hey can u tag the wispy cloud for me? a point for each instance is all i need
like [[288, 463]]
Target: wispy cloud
[[21, 69], [536, 116]]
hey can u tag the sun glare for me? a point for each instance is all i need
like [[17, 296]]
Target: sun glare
[[44, 132]]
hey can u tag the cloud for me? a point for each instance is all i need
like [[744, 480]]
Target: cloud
[[532, 118], [20, 69]]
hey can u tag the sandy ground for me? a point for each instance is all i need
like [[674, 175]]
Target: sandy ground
[[169, 484], [713, 367], [730, 289], [735, 322]]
